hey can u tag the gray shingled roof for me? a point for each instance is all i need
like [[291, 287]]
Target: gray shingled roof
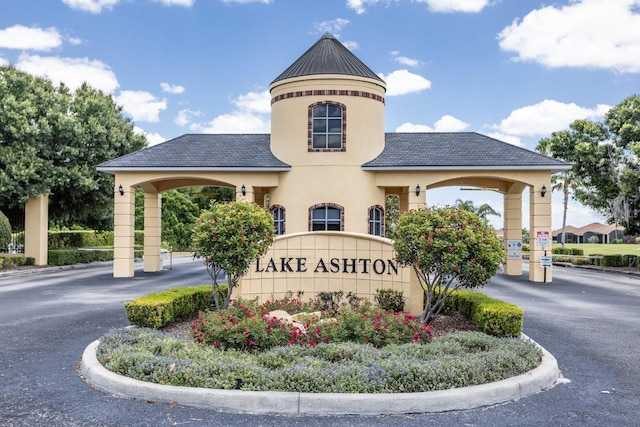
[[456, 150], [240, 152], [328, 56]]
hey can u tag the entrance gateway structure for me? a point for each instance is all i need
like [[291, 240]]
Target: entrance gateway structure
[[323, 173]]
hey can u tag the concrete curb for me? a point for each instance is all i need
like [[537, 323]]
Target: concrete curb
[[256, 402]]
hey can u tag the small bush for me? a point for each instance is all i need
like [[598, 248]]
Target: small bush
[[613, 261], [578, 252], [163, 308], [581, 261], [13, 261], [561, 251], [5, 232], [390, 300], [490, 316], [245, 325]]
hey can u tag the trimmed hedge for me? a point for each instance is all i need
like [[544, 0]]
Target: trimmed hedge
[[13, 261], [74, 256], [86, 239], [166, 307], [491, 316], [567, 251]]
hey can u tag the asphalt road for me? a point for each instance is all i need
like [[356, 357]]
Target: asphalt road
[[589, 321]]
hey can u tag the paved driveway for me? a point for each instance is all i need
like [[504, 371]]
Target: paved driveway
[[589, 321]]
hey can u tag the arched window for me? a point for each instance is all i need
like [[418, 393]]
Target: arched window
[[326, 217], [327, 123], [376, 220], [278, 213]]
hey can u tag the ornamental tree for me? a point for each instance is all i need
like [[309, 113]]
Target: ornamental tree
[[229, 237], [448, 249]]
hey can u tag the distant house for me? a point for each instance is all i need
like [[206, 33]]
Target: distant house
[[606, 233]]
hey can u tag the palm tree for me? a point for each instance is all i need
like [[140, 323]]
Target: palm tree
[[482, 211]]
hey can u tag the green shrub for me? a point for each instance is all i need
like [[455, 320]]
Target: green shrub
[[5, 232], [629, 260], [561, 251], [562, 259], [613, 261], [581, 261], [526, 248], [74, 256], [245, 325], [87, 239], [456, 360], [163, 308], [390, 300], [578, 252], [490, 316], [13, 261]]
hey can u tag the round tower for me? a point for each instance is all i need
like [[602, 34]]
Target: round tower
[[327, 120]]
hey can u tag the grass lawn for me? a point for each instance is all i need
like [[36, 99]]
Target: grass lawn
[[603, 249]]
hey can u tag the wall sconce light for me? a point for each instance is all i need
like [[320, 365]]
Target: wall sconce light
[[243, 189], [418, 190], [543, 190], [121, 190]]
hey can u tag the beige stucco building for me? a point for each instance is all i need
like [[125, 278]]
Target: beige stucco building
[[324, 172]]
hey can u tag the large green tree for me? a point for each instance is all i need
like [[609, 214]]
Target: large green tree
[[605, 157], [51, 140]]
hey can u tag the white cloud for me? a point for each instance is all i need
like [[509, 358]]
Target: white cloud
[[359, 6], [25, 38], [92, 6], [184, 117], [334, 26], [255, 102], [584, 33], [401, 82], [152, 138], [70, 71], [546, 117], [3, 62], [172, 89], [183, 3], [351, 45], [446, 123], [251, 116], [237, 122], [410, 62], [141, 105], [412, 127], [448, 6], [449, 123], [511, 139]]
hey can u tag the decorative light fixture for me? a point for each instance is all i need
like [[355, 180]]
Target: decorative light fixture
[[243, 189], [121, 190], [418, 190], [543, 191]]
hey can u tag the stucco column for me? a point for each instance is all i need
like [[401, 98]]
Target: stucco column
[[123, 229], [152, 232], [513, 231], [248, 196], [36, 229], [540, 222]]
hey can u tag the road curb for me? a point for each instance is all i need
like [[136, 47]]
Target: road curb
[[255, 402]]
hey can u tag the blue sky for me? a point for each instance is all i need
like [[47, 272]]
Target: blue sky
[[516, 70]]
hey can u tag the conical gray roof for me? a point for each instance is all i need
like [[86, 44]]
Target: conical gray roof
[[328, 56]]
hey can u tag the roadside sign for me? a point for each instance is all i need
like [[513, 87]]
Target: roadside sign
[[514, 254], [514, 244], [543, 239], [545, 261]]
